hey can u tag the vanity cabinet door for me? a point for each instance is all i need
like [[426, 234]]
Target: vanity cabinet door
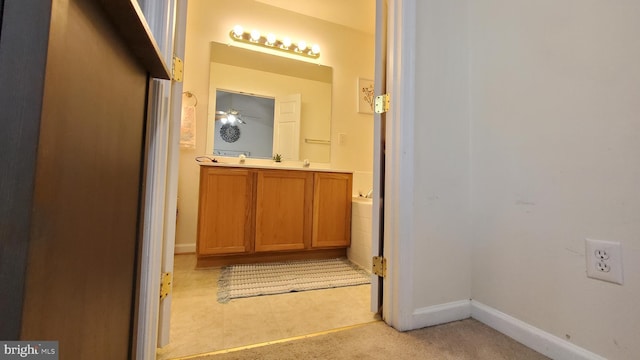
[[283, 210], [331, 210], [226, 211]]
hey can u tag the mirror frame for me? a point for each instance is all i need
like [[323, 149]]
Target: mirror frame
[[315, 141]]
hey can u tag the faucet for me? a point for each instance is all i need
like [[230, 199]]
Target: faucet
[[369, 194]]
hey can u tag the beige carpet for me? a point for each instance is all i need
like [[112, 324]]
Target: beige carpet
[[466, 339]]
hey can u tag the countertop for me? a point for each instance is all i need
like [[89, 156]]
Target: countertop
[[265, 164]]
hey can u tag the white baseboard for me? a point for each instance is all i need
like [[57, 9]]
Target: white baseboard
[[185, 248], [440, 314], [539, 340]]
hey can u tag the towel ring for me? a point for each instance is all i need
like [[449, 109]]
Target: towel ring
[[191, 95]]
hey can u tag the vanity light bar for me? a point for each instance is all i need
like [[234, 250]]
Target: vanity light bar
[[271, 42]]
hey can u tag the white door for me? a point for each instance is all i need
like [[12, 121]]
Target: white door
[[167, 20], [286, 127], [168, 239], [377, 232]]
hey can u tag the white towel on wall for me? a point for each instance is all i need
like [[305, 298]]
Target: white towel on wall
[[188, 127]]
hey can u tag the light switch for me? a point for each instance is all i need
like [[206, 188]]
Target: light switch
[[342, 138]]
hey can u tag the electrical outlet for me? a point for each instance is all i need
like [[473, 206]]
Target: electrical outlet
[[604, 260], [601, 254], [603, 266]]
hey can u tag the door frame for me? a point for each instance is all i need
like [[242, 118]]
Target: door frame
[[398, 217], [160, 184]]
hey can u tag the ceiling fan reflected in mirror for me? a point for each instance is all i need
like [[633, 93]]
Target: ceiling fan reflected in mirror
[[230, 116]]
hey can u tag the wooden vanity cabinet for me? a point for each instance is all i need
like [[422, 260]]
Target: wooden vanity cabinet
[[283, 210], [331, 210], [226, 211], [249, 215]]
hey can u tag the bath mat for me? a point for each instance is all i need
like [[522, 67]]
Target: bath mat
[[238, 281]]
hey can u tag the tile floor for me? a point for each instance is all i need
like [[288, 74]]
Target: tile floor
[[199, 324]]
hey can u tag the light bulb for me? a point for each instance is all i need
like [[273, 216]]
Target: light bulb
[[224, 120], [302, 46], [315, 49], [231, 118], [255, 35], [271, 39], [286, 42], [238, 31]]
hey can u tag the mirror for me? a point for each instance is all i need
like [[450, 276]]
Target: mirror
[[248, 85]]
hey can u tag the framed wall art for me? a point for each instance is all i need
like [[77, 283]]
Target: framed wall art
[[366, 97]]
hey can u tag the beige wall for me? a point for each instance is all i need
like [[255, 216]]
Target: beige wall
[[555, 153], [350, 53], [526, 143], [442, 249]]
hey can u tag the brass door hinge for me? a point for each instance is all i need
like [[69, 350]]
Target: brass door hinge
[[382, 103], [177, 69], [379, 266], [165, 285]]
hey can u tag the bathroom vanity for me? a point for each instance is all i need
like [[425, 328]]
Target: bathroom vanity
[[271, 213]]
